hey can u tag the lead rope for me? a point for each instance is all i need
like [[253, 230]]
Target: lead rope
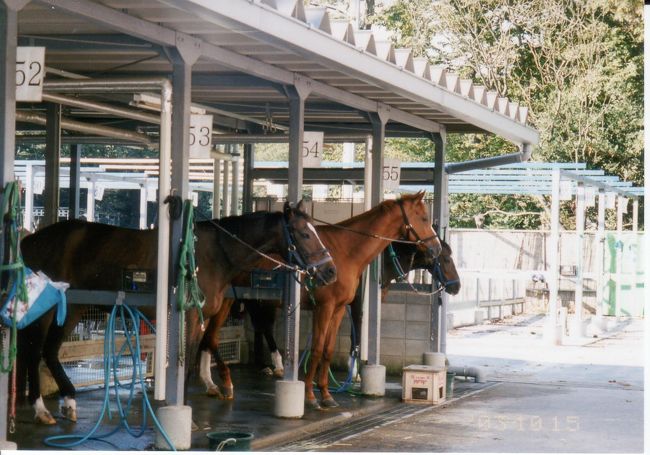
[[15, 266], [187, 284]]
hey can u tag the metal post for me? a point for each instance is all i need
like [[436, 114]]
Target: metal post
[[181, 102], [247, 189], [297, 96], [367, 205], [75, 181], [578, 330], [552, 333], [216, 191], [600, 256], [225, 190], [234, 200], [620, 209], [90, 201], [8, 41], [378, 122], [635, 215], [439, 215], [143, 207], [52, 159]]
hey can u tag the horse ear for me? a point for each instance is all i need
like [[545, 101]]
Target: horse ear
[[287, 208], [419, 195]]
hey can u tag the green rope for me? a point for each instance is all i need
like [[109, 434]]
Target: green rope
[[11, 213], [189, 293]]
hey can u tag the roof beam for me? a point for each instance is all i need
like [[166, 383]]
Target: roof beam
[[157, 34]]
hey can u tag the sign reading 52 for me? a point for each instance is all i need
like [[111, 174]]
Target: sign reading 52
[[30, 72]]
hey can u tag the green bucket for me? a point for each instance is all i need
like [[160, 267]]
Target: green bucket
[[230, 441], [450, 385]]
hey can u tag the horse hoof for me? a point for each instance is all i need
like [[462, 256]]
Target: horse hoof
[[228, 393], [69, 413], [279, 373], [45, 418], [267, 371], [329, 403], [313, 404], [195, 427], [215, 392]]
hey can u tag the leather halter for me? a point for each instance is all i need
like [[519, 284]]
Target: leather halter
[[300, 258], [409, 227]]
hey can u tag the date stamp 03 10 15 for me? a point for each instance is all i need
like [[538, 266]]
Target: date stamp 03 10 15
[[520, 422]]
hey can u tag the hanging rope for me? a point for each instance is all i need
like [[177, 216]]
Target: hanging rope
[[189, 293], [14, 265]]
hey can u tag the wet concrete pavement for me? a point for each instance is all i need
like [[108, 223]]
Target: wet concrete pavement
[[584, 397]]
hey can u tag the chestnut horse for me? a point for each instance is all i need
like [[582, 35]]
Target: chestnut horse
[[94, 256], [353, 244], [263, 313]]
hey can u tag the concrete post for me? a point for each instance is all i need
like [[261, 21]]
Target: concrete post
[[216, 191], [621, 208], [234, 189], [28, 215], [598, 321], [367, 205], [247, 190], [225, 184], [142, 224]]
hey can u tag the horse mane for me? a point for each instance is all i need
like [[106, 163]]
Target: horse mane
[[233, 223], [379, 208]]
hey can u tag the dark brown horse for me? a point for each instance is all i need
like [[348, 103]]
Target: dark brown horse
[[94, 256], [353, 244]]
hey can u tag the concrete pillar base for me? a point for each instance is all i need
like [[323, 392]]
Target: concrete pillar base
[[435, 359], [479, 317], [8, 445], [553, 334], [177, 423], [373, 380], [577, 328], [289, 399]]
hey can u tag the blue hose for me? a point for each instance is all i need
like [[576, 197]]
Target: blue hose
[[111, 364]]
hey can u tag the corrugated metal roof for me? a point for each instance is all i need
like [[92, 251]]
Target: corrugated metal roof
[[269, 40]]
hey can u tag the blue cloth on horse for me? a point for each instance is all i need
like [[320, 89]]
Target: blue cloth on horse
[[43, 294]]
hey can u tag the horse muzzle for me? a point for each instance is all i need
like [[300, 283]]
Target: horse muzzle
[[452, 288], [324, 274]]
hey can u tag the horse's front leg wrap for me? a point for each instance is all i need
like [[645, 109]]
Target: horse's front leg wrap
[[41, 414], [206, 375], [69, 409]]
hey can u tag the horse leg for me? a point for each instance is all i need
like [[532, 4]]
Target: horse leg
[[327, 400], [208, 347], [53, 341], [30, 343], [322, 316], [356, 313], [205, 348]]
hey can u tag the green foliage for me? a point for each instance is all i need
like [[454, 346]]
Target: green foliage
[[577, 65]]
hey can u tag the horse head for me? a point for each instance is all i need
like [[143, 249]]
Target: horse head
[[444, 270], [306, 247], [417, 227]]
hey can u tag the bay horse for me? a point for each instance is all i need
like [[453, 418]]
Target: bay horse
[[94, 256], [353, 244], [263, 313]]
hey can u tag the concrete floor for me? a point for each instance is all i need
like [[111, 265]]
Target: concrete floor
[[583, 397]]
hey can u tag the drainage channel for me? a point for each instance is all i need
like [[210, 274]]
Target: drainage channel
[[356, 426]]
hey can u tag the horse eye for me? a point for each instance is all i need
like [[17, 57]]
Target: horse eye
[[304, 235]]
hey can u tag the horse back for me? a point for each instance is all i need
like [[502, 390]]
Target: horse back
[[89, 255]]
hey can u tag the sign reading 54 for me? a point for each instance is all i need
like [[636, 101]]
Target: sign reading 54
[[312, 148]]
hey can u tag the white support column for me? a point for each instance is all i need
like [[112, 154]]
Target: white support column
[[577, 329], [28, 215], [143, 207], [234, 199], [367, 205], [599, 258], [635, 215], [216, 189], [90, 201], [621, 208], [225, 186], [552, 331], [348, 157]]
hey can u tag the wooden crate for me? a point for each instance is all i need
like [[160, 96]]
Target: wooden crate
[[424, 384]]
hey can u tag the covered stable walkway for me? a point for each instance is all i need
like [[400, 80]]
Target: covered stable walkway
[[182, 75]]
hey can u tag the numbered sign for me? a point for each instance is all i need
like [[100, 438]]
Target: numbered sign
[[98, 192], [200, 136], [391, 173], [30, 72], [312, 148]]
